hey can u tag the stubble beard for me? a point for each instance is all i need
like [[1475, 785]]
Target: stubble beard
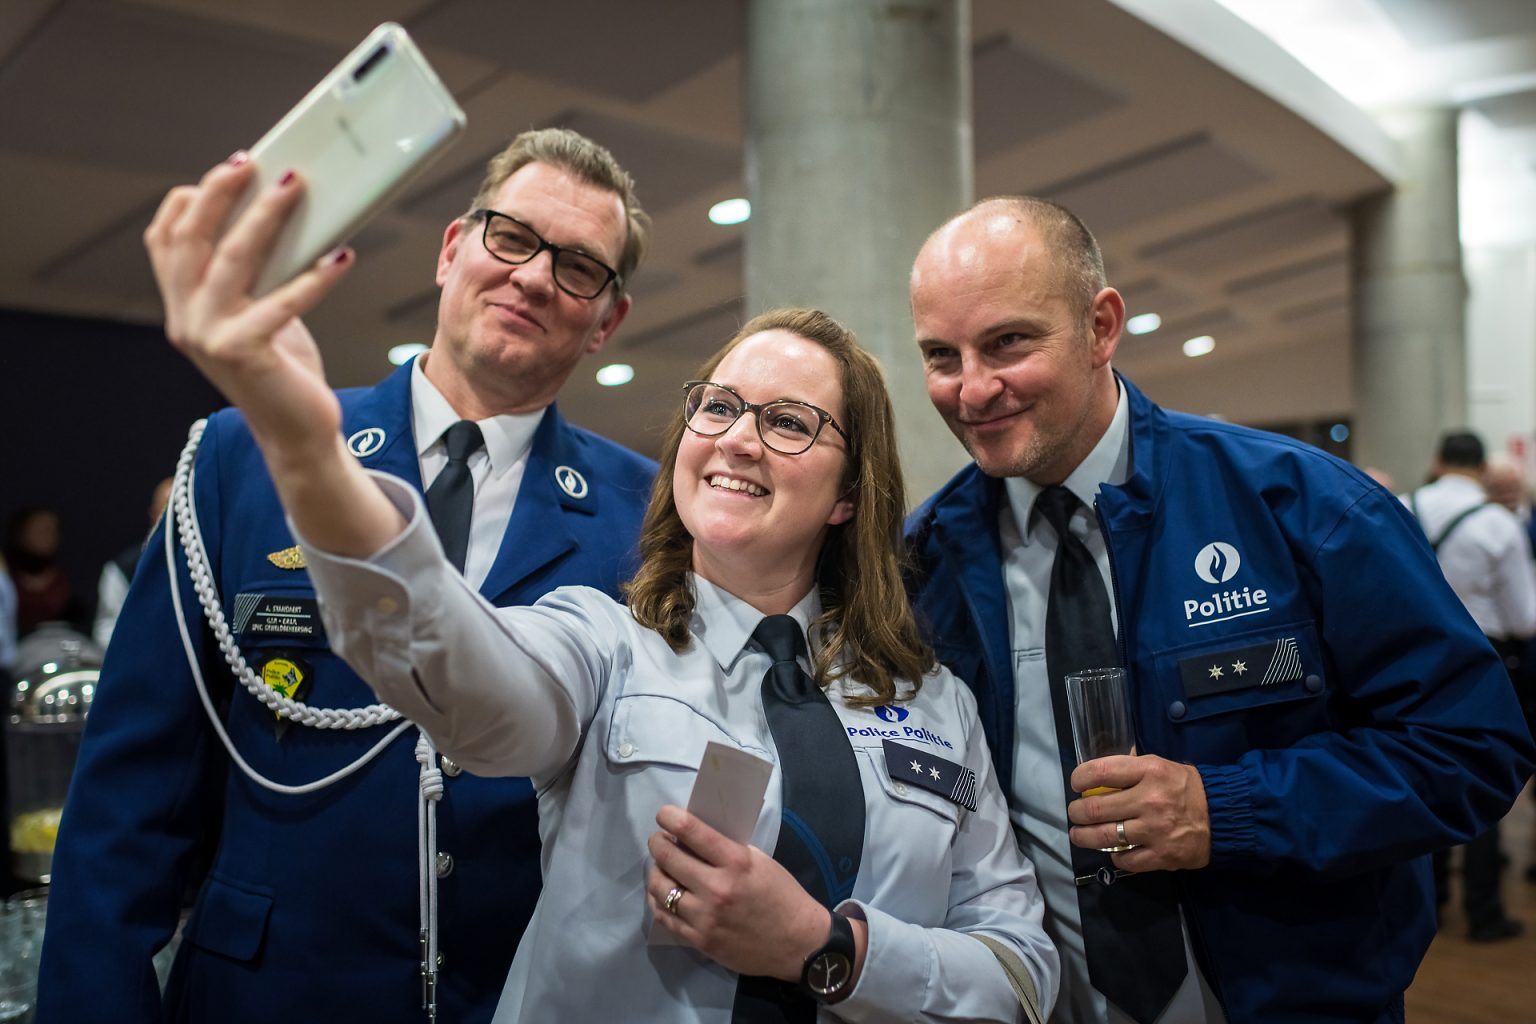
[[1038, 453]]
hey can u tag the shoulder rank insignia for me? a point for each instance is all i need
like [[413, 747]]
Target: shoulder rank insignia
[[1237, 668], [288, 558], [916, 767]]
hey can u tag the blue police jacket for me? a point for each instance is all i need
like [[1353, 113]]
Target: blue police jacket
[[1369, 724], [310, 908]]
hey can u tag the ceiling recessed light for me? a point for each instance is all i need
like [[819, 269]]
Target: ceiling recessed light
[[1145, 323], [1199, 346], [730, 211], [614, 374], [401, 354]]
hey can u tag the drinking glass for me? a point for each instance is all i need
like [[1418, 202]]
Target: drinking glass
[[21, 937], [1101, 722]]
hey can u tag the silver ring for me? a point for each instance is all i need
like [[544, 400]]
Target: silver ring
[[670, 903], [1120, 833]]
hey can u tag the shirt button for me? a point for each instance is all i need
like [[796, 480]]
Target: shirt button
[[444, 865], [388, 605], [1176, 710], [901, 789], [451, 767], [1314, 684], [626, 749]]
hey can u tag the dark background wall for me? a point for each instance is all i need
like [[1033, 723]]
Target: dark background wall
[[93, 414]]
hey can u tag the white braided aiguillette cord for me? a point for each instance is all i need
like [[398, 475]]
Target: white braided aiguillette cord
[[426, 830], [190, 531], [183, 512]]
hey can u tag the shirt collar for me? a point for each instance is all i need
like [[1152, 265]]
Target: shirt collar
[[1459, 482], [507, 437], [724, 623], [1108, 463]]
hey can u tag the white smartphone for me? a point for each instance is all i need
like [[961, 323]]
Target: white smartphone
[[358, 138]]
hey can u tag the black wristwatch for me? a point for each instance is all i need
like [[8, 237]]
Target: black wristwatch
[[829, 971]]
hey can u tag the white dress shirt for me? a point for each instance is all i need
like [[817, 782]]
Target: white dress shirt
[[1039, 812], [611, 724], [1486, 559], [496, 469]]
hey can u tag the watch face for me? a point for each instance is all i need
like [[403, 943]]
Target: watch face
[[828, 973]]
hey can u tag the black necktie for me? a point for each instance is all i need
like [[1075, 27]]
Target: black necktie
[[821, 836], [1131, 926], [451, 498]]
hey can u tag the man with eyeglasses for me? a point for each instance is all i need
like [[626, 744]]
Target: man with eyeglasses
[[323, 905]]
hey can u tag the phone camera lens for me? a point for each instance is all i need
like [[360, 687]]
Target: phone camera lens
[[373, 61]]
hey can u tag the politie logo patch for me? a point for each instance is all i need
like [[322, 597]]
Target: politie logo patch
[[892, 713], [1217, 562]]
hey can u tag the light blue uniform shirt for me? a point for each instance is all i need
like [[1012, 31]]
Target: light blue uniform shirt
[[611, 723], [1039, 812]]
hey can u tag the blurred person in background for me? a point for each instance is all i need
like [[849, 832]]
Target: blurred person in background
[[1485, 554], [112, 588], [43, 591]]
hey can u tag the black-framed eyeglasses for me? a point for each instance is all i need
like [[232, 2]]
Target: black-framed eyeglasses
[[511, 241], [788, 427]]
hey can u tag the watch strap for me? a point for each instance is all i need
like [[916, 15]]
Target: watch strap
[[840, 943]]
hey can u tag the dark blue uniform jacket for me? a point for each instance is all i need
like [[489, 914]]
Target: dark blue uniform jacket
[[310, 910], [1380, 727]]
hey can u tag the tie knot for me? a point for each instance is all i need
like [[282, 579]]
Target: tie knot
[[780, 636], [1057, 504], [462, 440]]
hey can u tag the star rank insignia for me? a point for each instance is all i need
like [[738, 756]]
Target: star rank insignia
[[288, 558], [1237, 668], [928, 771]]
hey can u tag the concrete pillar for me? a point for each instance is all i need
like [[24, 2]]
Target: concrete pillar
[[858, 146], [1409, 302]]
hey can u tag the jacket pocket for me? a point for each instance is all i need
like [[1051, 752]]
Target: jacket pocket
[[1262, 688], [286, 614], [649, 729], [229, 920], [907, 799]]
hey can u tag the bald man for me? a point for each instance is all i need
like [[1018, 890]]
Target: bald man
[[1314, 711]]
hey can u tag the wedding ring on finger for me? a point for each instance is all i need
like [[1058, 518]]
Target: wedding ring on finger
[[673, 896], [1120, 834]]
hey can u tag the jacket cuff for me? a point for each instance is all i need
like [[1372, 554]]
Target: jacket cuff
[[1229, 807]]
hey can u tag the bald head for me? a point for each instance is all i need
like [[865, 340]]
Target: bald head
[[1033, 230], [1017, 331]]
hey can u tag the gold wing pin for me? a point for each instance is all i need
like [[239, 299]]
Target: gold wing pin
[[288, 558]]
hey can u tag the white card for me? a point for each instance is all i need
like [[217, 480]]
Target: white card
[[728, 797], [728, 793]]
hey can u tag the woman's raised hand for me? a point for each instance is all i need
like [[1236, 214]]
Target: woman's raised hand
[[255, 350]]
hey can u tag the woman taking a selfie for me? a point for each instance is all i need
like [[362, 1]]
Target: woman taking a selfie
[[767, 618]]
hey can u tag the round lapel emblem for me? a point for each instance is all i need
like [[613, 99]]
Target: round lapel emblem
[[571, 482], [366, 441]]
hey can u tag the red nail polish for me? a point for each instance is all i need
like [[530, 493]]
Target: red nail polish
[[237, 158], [286, 179], [340, 256]]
